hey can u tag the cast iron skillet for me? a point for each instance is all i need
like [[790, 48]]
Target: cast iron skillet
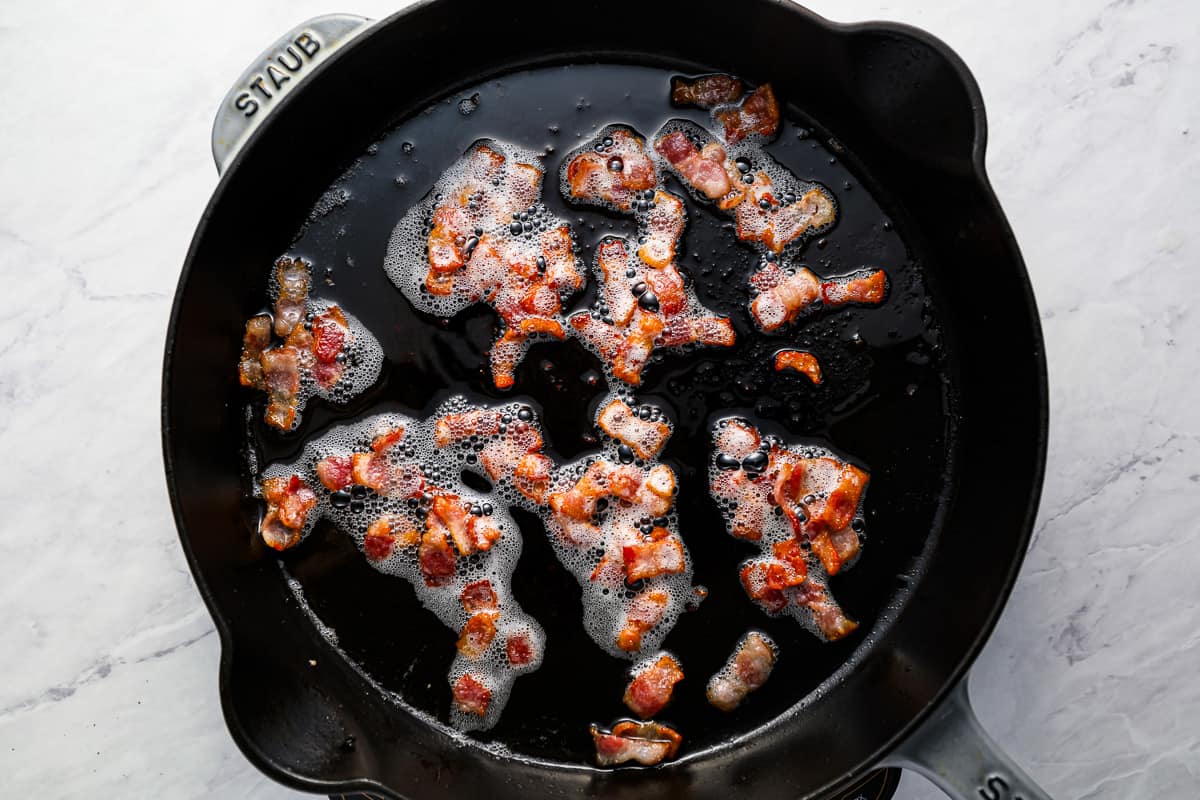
[[898, 100]]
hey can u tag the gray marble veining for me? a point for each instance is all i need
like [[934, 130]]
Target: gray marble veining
[[110, 660]]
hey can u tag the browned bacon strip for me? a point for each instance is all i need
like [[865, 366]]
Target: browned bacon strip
[[288, 502], [293, 279], [651, 688], [706, 169], [616, 173], [758, 114], [646, 743], [256, 339], [747, 670], [705, 92], [645, 437], [281, 373], [798, 360]]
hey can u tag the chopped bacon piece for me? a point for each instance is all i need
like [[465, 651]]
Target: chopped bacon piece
[[662, 555], [281, 373], [331, 335], [755, 580], [757, 114], [651, 688], [477, 635], [782, 303], [738, 439], [447, 238], [519, 650], [706, 91], [645, 611], [277, 535], [644, 437], [435, 557], [370, 470], [456, 427], [579, 502], [484, 532], [868, 291], [532, 476], [763, 219], [478, 596], [288, 502], [704, 168], [614, 175], [667, 285], [448, 510], [663, 227], [294, 280], [256, 339], [335, 472], [804, 363], [385, 440], [471, 696], [379, 540], [828, 615], [745, 671], [646, 743]]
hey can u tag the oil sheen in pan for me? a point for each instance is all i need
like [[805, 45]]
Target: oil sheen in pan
[[884, 399]]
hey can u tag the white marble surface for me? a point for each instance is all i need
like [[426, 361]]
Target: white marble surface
[[109, 665]]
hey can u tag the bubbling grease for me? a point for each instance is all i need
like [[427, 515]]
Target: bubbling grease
[[491, 667], [592, 550]]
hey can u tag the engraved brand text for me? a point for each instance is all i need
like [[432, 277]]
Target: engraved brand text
[[264, 85], [996, 788]]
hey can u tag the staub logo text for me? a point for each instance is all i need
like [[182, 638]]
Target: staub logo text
[[263, 86]]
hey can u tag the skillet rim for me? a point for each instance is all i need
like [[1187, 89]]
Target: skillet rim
[[283, 774]]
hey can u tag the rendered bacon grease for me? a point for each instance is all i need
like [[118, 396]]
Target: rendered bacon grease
[[482, 236], [383, 483], [317, 348], [800, 505], [745, 671], [644, 304], [610, 515]]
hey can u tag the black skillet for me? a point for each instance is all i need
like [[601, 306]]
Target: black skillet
[[942, 393]]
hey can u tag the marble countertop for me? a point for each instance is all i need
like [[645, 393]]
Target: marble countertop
[[111, 660]]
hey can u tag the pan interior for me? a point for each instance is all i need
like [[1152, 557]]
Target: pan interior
[[886, 401]]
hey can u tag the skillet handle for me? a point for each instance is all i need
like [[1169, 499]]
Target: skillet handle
[[952, 749], [275, 73]]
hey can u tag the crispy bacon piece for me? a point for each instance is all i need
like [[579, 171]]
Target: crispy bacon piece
[[745, 671], [453, 428], [662, 554], [288, 502], [757, 114], [256, 339], [448, 511], [532, 476], [663, 227], [800, 361], [614, 175], [706, 168], [644, 437], [477, 635], [478, 596], [827, 493], [651, 688], [518, 649], [646, 743], [330, 337], [763, 218], [281, 373], [868, 290], [294, 280], [435, 557], [335, 472], [645, 611], [785, 300], [447, 239], [471, 696], [370, 470], [830, 619], [705, 92]]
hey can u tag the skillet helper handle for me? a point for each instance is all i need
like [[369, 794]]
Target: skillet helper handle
[[952, 749], [275, 73]]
